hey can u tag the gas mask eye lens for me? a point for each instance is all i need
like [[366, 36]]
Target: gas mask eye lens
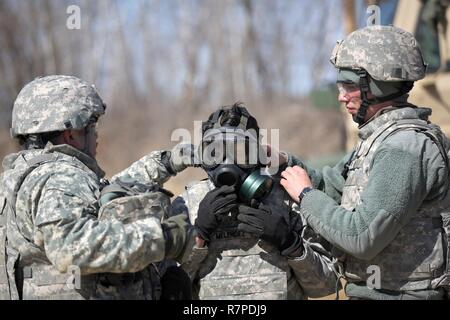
[[212, 153], [241, 154]]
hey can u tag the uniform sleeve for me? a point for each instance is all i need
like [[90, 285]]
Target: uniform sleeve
[[314, 271], [67, 218], [401, 177], [329, 179], [149, 169]]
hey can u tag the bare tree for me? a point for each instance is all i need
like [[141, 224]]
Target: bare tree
[[349, 13], [160, 64]]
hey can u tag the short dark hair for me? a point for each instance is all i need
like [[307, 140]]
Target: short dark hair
[[38, 140], [231, 117]]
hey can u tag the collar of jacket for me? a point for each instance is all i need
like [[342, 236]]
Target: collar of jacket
[[392, 113], [66, 149]]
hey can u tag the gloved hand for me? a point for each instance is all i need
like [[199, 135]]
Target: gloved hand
[[180, 237], [182, 156], [216, 202], [270, 227]]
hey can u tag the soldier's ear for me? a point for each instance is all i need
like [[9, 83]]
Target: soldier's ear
[[67, 136], [73, 138]]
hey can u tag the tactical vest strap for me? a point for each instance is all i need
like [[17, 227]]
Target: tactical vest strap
[[42, 158], [433, 137], [392, 127], [368, 144], [121, 188], [426, 129]]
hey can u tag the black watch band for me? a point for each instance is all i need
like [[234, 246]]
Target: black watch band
[[303, 193]]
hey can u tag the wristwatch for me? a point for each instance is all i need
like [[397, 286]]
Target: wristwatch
[[303, 193]]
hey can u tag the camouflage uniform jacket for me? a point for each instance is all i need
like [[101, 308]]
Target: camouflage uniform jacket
[[237, 265], [382, 204], [56, 227]]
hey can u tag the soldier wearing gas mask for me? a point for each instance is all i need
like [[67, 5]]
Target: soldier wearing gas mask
[[252, 241], [231, 154]]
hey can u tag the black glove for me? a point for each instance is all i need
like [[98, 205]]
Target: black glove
[[176, 284], [216, 202], [270, 227]]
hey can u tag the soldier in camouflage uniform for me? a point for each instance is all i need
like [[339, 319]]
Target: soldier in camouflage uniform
[[231, 262], [384, 207], [49, 204]]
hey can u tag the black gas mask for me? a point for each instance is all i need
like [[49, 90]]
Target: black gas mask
[[232, 156]]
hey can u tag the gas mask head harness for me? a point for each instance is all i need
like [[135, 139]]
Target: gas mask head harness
[[231, 154]]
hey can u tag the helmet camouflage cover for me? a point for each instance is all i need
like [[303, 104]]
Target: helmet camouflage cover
[[387, 53], [55, 103]]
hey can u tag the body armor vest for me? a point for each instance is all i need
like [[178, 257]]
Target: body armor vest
[[129, 202], [399, 270], [29, 274], [238, 265]]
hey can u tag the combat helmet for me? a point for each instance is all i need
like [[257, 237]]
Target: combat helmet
[[385, 60], [55, 103]]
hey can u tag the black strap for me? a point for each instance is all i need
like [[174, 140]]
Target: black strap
[[133, 188], [213, 121], [366, 102], [244, 118], [407, 87], [216, 116], [347, 165]]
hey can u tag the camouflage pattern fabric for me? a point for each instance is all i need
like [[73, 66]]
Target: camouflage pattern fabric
[[237, 265], [56, 225], [149, 168], [387, 53], [414, 259], [135, 206], [55, 103]]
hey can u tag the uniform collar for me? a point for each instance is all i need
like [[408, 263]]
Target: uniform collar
[[392, 113], [66, 149]]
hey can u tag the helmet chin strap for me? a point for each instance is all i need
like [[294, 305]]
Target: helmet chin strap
[[365, 103], [364, 87]]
